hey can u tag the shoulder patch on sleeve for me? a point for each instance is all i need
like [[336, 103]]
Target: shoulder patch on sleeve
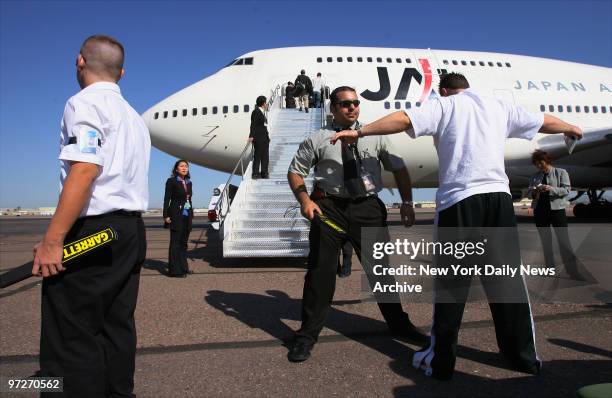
[[89, 140]]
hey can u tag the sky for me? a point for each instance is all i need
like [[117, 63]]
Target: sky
[[170, 45]]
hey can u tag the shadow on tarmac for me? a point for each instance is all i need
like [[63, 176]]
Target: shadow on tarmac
[[558, 378]]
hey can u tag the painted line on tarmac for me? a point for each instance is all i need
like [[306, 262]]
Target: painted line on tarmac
[[229, 345]]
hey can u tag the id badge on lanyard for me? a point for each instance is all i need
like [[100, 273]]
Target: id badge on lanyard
[[187, 205], [366, 177]]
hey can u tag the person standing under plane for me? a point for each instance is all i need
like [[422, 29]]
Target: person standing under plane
[[469, 133], [88, 332], [341, 194]]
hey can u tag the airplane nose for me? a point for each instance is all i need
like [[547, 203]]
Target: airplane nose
[[147, 116]]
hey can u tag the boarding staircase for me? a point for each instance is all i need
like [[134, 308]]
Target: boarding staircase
[[264, 218]]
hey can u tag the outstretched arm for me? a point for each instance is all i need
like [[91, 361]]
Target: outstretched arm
[[393, 123], [554, 125]]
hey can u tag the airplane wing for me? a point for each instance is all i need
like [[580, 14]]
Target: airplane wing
[[597, 142]]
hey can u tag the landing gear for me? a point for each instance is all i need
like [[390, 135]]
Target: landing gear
[[597, 208]]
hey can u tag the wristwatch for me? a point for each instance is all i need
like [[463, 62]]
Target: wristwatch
[[359, 133], [408, 203]]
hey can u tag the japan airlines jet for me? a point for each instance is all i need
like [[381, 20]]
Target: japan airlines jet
[[208, 122]]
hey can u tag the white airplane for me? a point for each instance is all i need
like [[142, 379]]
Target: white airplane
[[208, 122]]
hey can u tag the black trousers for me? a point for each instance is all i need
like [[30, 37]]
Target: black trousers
[[325, 244], [544, 219], [347, 254], [261, 157], [88, 333], [513, 321], [177, 252]]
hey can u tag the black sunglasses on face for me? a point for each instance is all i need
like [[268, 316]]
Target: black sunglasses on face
[[347, 103]]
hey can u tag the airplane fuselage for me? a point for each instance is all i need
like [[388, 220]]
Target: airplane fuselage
[[208, 122]]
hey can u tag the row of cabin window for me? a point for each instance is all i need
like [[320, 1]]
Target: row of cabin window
[[576, 109], [203, 110], [368, 59], [398, 105], [473, 63]]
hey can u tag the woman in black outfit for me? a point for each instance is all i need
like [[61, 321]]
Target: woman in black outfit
[[178, 215]]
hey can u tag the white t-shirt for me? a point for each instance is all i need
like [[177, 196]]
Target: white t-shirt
[[317, 84], [469, 133], [100, 127]]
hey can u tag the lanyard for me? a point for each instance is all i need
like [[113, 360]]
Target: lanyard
[[185, 188]]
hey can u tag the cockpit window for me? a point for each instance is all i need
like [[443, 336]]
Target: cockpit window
[[241, 61]]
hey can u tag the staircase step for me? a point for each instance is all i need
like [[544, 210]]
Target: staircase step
[[269, 234], [272, 223], [266, 196]]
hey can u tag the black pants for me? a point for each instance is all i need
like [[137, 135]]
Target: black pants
[[347, 254], [88, 334], [177, 252], [325, 244], [544, 218], [513, 321], [261, 157]]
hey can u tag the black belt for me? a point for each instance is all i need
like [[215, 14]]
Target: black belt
[[318, 193]]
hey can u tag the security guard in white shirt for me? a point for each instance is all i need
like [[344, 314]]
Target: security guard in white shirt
[[469, 132], [88, 333]]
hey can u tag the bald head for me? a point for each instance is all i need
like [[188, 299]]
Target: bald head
[[103, 56]]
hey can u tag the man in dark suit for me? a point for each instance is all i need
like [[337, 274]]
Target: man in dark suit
[[260, 139]]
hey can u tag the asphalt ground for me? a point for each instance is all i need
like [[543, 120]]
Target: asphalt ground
[[220, 332]]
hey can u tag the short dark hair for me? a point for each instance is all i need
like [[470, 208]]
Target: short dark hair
[[539, 155], [333, 97], [260, 100], [318, 74], [302, 72], [174, 173], [453, 81], [104, 55]]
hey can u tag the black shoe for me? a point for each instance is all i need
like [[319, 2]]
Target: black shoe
[[532, 368], [306, 110], [300, 109], [177, 275], [299, 351], [255, 176], [410, 333], [344, 272], [265, 175]]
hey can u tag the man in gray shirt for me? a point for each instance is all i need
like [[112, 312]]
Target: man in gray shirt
[[347, 180]]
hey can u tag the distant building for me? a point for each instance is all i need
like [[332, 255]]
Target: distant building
[[46, 211]]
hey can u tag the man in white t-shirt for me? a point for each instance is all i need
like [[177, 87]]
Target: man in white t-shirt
[[469, 132], [88, 332], [317, 86]]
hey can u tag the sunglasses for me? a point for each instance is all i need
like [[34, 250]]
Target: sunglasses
[[348, 103]]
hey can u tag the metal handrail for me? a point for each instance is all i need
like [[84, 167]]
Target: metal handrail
[[273, 96], [224, 196], [323, 110]]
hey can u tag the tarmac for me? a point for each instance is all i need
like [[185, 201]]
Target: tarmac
[[220, 331]]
